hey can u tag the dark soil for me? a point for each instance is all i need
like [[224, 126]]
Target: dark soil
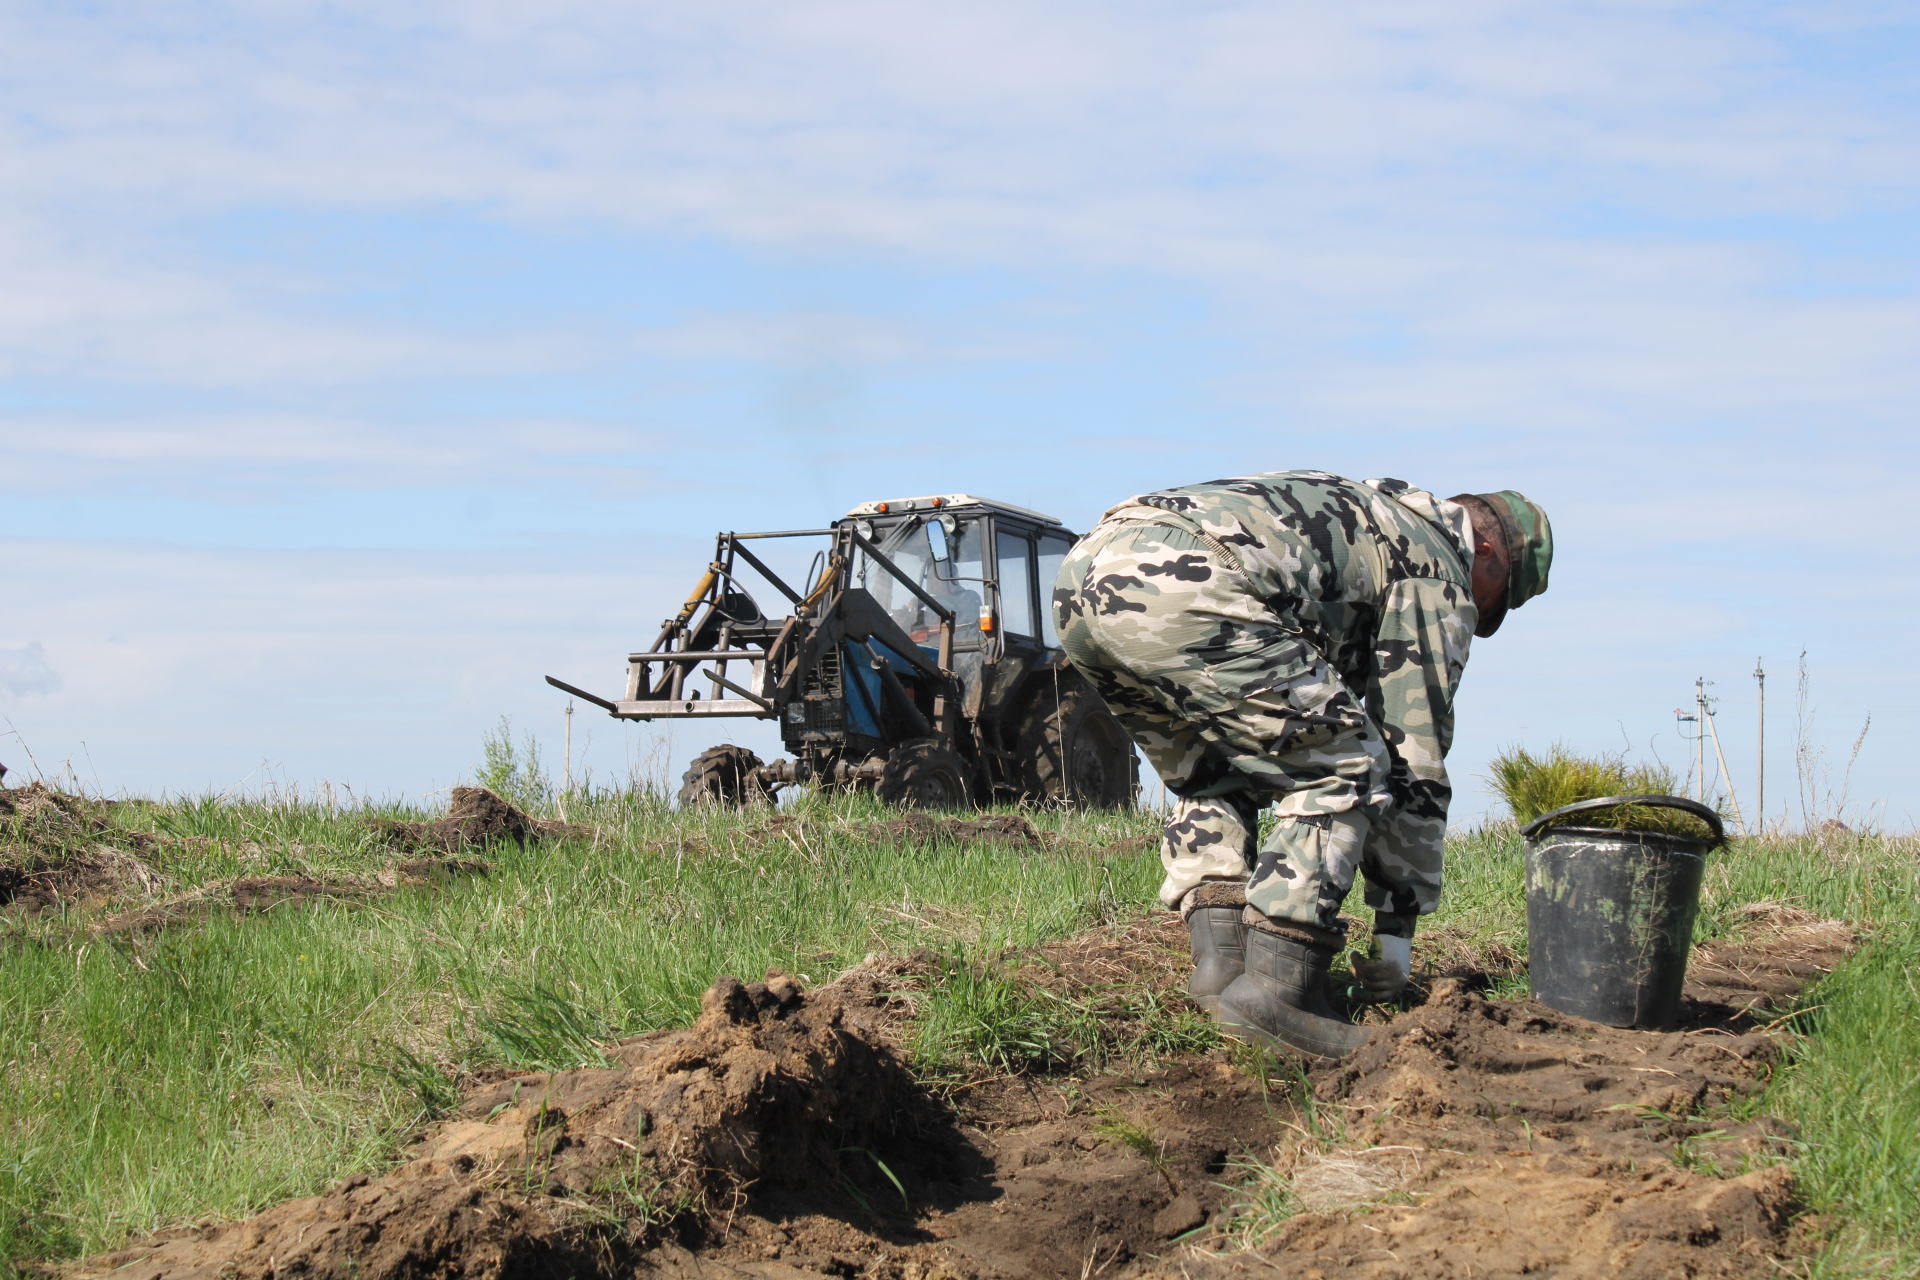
[[245, 896], [251, 895], [772, 1101], [475, 818], [781, 1137], [1006, 828], [439, 870], [57, 850], [918, 828]]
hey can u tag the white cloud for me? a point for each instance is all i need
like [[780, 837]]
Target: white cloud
[[1329, 166], [1407, 159], [248, 457], [24, 670], [942, 127], [96, 309]]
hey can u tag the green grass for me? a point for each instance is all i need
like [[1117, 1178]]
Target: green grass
[[1850, 1088], [227, 1063], [988, 1012], [1848, 1080]]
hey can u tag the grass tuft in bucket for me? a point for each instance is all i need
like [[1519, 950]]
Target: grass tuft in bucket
[[1532, 785]]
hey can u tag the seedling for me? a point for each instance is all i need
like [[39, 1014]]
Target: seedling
[[1533, 785]]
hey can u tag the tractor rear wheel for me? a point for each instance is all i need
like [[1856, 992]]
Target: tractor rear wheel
[[924, 775], [724, 775], [1073, 752]]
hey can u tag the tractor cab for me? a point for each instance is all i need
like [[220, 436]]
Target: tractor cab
[[991, 564]]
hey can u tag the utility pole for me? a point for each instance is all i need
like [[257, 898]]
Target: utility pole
[[566, 762], [1700, 738], [1733, 801], [1680, 721], [1760, 805]]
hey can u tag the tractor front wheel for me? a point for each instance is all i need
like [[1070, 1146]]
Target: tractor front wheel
[[1073, 752], [724, 775], [924, 775]]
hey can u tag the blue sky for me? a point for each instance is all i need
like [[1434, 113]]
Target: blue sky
[[361, 364]]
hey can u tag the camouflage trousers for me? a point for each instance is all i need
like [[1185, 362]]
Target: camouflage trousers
[[1236, 709]]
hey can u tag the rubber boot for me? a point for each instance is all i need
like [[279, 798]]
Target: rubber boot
[[1216, 935], [1281, 999]]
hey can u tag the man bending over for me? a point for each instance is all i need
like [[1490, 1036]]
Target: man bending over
[[1295, 639]]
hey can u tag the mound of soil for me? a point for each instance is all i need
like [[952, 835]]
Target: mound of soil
[[58, 849], [781, 1137], [769, 1097], [86, 875], [245, 896], [1544, 1145], [1004, 828], [475, 817], [254, 895]]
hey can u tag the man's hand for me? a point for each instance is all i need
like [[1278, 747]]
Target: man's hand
[[1383, 974]]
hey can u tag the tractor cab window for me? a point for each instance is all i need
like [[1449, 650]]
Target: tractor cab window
[[940, 565], [1054, 546], [1013, 552]]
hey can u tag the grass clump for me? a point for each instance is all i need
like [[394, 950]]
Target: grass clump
[[1533, 785], [1848, 1086], [1016, 1020]]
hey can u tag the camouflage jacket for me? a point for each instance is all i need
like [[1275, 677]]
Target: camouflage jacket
[[1378, 576]]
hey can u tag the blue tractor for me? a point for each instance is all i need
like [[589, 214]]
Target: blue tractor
[[918, 661]]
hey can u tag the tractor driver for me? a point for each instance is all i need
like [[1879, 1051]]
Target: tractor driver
[[1295, 639], [923, 624], [938, 573]]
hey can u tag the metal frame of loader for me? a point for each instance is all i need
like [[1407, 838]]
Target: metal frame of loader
[[862, 701]]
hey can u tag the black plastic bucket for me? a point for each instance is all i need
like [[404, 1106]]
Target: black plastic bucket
[[1610, 912]]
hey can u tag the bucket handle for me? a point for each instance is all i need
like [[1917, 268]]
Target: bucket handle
[[1685, 805]]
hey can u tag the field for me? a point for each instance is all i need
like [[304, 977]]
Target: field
[[381, 1044]]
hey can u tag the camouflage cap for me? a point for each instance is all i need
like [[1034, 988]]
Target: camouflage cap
[[1529, 539]]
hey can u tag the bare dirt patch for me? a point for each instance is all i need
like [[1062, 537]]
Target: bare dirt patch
[[1499, 1138], [255, 895], [62, 851], [475, 818], [248, 895], [782, 1136], [1509, 1140]]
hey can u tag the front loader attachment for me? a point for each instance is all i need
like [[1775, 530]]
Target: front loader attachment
[[718, 656], [721, 656]]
